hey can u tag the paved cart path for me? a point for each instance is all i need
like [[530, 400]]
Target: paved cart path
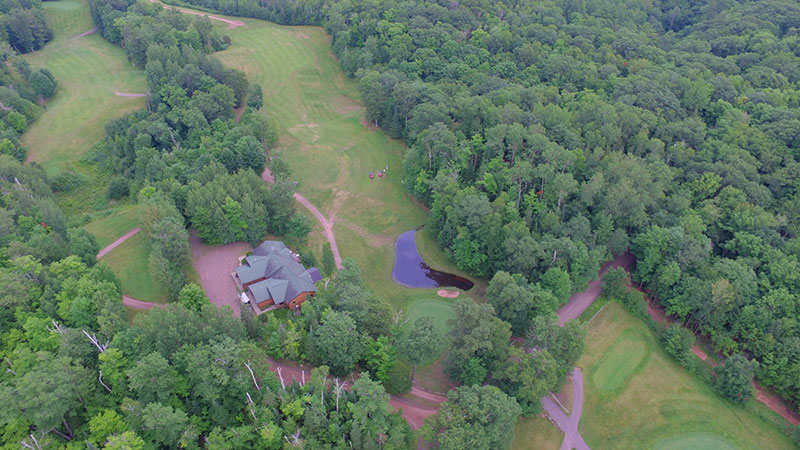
[[118, 242]]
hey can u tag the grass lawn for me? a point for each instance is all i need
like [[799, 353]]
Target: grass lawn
[[536, 433], [109, 228], [88, 70], [636, 396], [130, 262]]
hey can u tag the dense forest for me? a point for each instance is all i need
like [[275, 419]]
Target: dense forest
[[552, 135], [22, 25]]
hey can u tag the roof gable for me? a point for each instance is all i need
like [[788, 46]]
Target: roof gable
[[277, 289], [260, 291]]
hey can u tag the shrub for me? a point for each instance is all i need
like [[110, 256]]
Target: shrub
[[678, 343], [635, 303], [615, 282], [399, 381], [307, 257], [255, 96], [328, 262], [67, 181], [118, 187], [735, 378]]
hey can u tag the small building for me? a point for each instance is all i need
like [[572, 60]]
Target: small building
[[271, 276]]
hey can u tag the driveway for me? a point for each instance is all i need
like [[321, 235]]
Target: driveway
[[214, 264]]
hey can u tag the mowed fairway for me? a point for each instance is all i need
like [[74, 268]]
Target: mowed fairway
[[636, 396], [328, 148], [88, 70]]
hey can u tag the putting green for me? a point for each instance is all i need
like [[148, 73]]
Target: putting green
[[440, 311], [694, 441], [620, 362]]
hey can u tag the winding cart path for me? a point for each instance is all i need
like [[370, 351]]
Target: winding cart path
[[569, 424], [126, 300], [118, 242], [138, 304], [327, 225], [578, 303]]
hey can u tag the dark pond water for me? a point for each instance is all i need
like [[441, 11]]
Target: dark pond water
[[410, 270]]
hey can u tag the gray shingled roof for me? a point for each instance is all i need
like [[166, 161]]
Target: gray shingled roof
[[260, 291], [252, 270], [286, 278]]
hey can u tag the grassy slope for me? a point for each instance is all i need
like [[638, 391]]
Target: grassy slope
[[328, 148], [636, 396], [88, 70], [130, 262], [111, 227]]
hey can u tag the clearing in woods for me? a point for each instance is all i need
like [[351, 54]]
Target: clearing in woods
[[637, 396], [88, 70], [130, 260], [330, 151]]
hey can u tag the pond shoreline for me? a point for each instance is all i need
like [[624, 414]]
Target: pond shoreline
[[410, 269]]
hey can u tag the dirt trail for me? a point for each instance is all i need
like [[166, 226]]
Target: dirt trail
[[118, 242], [327, 225], [129, 94], [138, 304], [776, 404], [231, 23]]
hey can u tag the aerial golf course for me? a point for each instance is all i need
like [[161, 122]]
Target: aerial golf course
[[636, 396]]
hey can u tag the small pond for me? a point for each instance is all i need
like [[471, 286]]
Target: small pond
[[410, 270]]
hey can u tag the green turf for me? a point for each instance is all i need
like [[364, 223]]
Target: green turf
[[130, 262], [88, 70], [439, 310], [536, 433], [657, 403], [109, 228], [620, 362], [694, 441]]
